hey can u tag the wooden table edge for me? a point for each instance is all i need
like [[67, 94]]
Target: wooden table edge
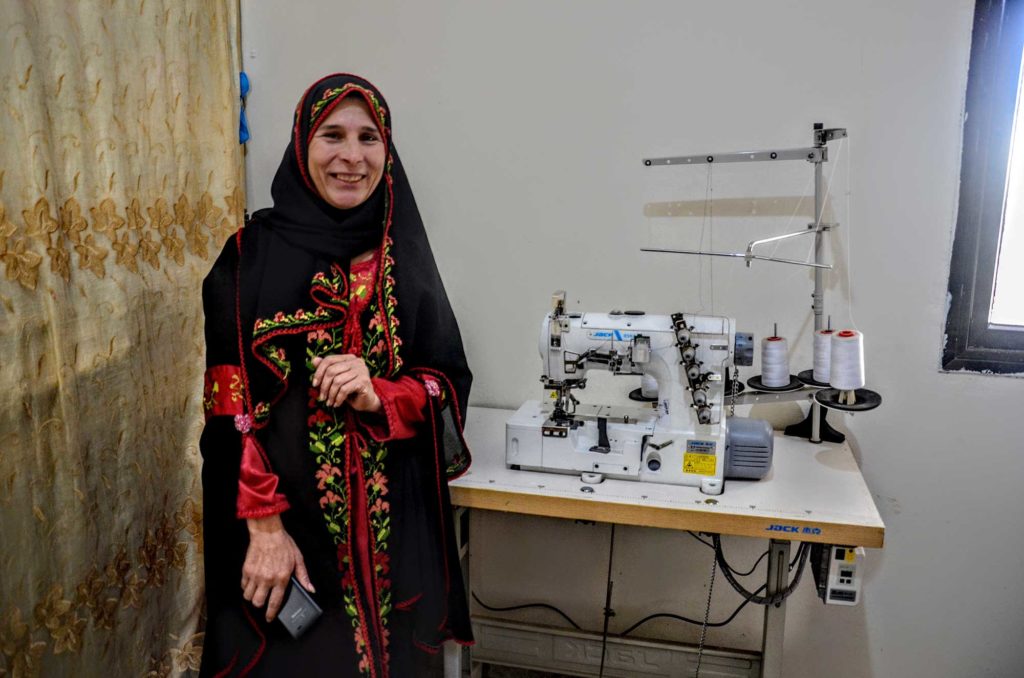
[[766, 527]]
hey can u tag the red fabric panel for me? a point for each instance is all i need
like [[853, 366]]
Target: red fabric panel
[[361, 522], [257, 485], [403, 400]]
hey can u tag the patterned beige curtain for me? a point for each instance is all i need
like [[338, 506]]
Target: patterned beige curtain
[[120, 177]]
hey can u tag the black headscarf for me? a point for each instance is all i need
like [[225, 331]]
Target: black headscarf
[[302, 233]]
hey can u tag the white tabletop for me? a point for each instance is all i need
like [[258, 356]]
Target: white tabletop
[[812, 493]]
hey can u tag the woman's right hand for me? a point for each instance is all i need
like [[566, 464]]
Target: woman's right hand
[[271, 558]]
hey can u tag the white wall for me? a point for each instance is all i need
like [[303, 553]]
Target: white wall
[[522, 126]]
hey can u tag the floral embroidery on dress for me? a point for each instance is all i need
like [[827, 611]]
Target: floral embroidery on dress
[[331, 292], [456, 466], [243, 423], [236, 387], [345, 456], [210, 393], [283, 320], [277, 355], [328, 292], [377, 349], [432, 387], [335, 449], [436, 384]]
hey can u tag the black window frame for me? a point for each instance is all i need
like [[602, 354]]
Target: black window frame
[[972, 343]]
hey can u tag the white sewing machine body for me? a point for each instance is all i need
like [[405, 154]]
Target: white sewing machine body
[[681, 439], [533, 444]]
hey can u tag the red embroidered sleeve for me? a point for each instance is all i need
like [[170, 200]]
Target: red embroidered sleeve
[[404, 402], [257, 484], [222, 391]]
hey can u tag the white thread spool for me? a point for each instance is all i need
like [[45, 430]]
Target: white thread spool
[[775, 362], [648, 386], [847, 365], [822, 355]]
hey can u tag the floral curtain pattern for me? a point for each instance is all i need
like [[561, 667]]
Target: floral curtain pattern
[[120, 177]]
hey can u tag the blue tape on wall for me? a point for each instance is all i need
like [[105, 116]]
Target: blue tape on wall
[[243, 124]]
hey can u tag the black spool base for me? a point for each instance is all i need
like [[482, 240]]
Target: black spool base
[[638, 395], [865, 400], [807, 378], [756, 384], [803, 429]]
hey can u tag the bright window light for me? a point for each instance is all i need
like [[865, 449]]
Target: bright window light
[[1008, 294]]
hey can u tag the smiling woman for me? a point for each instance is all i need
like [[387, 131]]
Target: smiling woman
[[336, 383], [346, 155]]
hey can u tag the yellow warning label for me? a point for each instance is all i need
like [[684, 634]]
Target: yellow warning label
[[700, 464], [553, 395], [850, 556]]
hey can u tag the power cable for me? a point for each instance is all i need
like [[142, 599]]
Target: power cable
[[773, 599], [712, 546], [512, 608], [697, 622]]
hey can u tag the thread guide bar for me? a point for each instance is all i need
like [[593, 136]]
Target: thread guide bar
[[816, 154], [739, 255], [810, 154]]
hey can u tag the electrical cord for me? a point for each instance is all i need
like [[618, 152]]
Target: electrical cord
[[511, 608], [773, 599], [697, 622], [753, 567], [698, 538], [739, 574], [748, 597]]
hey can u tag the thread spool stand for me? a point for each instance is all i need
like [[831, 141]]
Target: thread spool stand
[[857, 400], [815, 426]]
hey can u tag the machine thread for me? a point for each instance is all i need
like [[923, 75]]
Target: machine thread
[[847, 363], [775, 362], [823, 355]]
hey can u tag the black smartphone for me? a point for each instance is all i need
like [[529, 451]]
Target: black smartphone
[[299, 611]]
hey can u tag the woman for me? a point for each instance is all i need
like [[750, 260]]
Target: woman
[[335, 390]]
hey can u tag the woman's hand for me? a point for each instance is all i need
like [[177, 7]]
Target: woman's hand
[[345, 377], [269, 562]]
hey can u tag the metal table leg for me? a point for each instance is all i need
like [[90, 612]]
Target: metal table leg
[[452, 660], [775, 615]]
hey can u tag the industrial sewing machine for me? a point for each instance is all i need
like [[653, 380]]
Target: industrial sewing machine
[[684, 437]]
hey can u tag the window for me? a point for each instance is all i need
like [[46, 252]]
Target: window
[[985, 323], [1007, 298]]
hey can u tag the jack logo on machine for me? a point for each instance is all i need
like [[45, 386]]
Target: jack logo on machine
[[795, 529], [699, 457], [611, 335]]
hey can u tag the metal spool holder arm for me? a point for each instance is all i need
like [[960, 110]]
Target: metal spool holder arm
[[815, 427]]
